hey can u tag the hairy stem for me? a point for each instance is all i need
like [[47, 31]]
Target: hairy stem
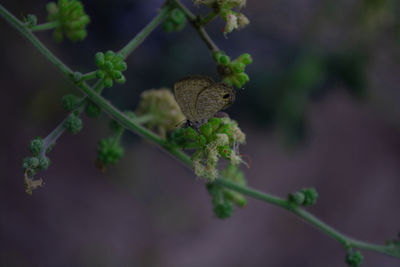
[[134, 126]]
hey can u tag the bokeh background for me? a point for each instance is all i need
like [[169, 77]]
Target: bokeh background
[[321, 109]]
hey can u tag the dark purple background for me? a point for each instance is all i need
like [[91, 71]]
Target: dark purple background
[[151, 211]]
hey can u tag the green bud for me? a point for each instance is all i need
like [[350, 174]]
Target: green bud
[[77, 76], [215, 123], [311, 196], [84, 20], [109, 55], [99, 59], [242, 77], [190, 133], [245, 58], [206, 129], [73, 124], [115, 74], [36, 146], [227, 81], [305, 197], [51, 8], [117, 58], [93, 110], [121, 80], [121, 66], [78, 36], [235, 80], [177, 137], [238, 67], [30, 163], [109, 151], [354, 259], [108, 82], [296, 198], [223, 210], [225, 151], [44, 163], [100, 74], [177, 16], [31, 20], [226, 129], [224, 60], [108, 65], [216, 55], [69, 102]]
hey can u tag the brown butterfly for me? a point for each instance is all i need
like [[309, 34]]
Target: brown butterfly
[[199, 97]]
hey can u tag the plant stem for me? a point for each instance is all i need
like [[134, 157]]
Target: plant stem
[[345, 240], [45, 26], [89, 76], [17, 24], [209, 17], [197, 25], [134, 126], [141, 36]]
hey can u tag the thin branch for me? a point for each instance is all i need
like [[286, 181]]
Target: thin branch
[[45, 26], [89, 76], [209, 17], [196, 23], [141, 36]]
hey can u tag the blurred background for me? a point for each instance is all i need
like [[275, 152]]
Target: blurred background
[[321, 109]]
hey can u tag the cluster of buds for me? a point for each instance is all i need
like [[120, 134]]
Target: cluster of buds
[[232, 72], [73, 123], [175, 21], [111, 66], [234, 19], [217, 138], [305, 197], [32, 165], [71, 17], [354, 258], [109, 149], [222, 198], [109, 152]]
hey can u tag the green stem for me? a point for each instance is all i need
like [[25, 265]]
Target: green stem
[[89, 76], [45, 26], [345, 240], [184, 158], [197, 25], [141, 36], [209, 17], [17, 24]]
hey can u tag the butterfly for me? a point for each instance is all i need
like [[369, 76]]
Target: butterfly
[[200, 98]]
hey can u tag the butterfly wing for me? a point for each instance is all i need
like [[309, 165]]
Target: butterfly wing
[[212, 99], [186, 92]]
